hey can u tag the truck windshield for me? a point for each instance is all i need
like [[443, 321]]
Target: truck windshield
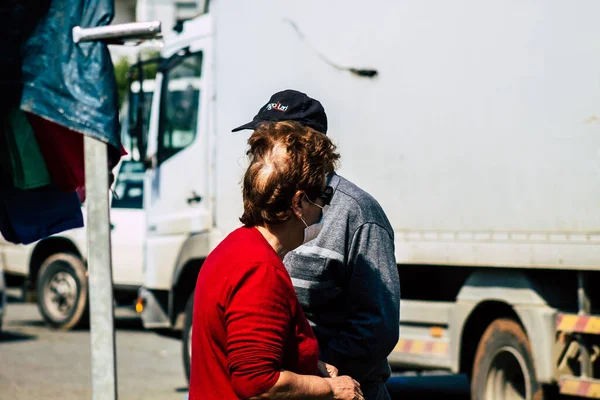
[[129, 186]]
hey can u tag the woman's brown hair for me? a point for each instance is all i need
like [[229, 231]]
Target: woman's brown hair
[[285, 157]]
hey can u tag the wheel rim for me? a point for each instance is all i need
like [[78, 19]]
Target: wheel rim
[[60, 295], [508, 378]]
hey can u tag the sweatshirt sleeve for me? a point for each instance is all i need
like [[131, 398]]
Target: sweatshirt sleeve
[[258, 314], [372, 328]]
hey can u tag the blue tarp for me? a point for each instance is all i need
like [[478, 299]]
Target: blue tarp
[[67, 83]]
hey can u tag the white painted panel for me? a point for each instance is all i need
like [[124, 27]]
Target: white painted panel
[[484, 116]]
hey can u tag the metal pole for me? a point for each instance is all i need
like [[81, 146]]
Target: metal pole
[[118, 33], [102, 332]]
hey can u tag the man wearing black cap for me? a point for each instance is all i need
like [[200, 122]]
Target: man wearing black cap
[[346, 279]]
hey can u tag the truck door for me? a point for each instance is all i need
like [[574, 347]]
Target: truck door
[[176, 194], [127, 224]]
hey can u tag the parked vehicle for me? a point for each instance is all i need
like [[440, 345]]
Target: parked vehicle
[[474, 125], [53, 271]]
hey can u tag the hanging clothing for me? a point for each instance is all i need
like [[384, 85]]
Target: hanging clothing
[[39, 213], [30, 215], [68, 90], [28, 167], [6, 228], [6, 181], [62, 149]]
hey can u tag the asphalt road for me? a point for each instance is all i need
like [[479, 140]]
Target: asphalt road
[[40, 363]]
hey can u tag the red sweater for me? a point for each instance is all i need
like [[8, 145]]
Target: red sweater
[[248, 324]]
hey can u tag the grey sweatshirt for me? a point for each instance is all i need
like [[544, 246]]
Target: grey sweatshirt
[[347, 282]]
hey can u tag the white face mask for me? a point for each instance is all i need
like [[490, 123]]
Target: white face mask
[[311, 232]]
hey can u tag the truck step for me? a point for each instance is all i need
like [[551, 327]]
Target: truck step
[[573, 386], [574, 323]]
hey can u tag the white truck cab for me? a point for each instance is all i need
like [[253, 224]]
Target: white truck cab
[[179, 195]]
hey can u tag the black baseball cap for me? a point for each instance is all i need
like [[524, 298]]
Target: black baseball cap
[[290, 105]]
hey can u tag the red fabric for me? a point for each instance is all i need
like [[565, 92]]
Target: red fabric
[[62, 149], [247, 323]]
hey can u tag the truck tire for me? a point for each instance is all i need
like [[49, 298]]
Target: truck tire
[[503, 367], [187, 336], [62, 290]]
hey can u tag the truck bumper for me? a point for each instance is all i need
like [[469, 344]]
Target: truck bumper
[[153, 315]]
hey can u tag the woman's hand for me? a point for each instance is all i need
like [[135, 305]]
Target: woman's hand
[[345, 388], [327, 370]]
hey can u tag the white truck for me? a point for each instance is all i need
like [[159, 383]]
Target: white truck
[[53, 271], [474, 124]]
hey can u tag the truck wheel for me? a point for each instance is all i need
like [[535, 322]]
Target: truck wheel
[[62, 290], [503, 366], [187, 336]]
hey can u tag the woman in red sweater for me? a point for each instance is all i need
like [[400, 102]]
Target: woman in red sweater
[[250, 337]]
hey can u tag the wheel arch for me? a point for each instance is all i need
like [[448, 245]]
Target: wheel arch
[[488, 295], [183, 281], [183, 287], [482, 315]]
